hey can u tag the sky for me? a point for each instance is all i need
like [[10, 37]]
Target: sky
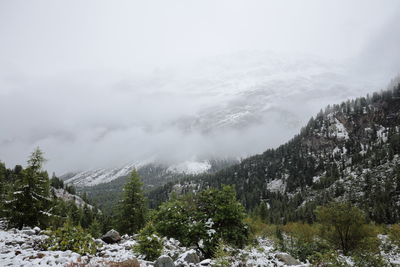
[[103, 83]]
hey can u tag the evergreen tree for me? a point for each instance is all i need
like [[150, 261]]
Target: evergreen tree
[[29, 203], [132, 208]]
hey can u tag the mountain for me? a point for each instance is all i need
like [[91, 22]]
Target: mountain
[[150, 172], [350, 151], [104, 186]]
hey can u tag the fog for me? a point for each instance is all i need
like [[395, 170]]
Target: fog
[[100, 84]]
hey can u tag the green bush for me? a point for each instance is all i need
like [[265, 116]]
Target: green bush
[[72, 238], [343, 225], [149, 243], [204, 220]]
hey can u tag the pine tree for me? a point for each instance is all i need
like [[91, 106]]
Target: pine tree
[[132, 208], [29, 203]]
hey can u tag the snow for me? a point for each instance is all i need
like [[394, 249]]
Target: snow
[[66, 196], [190, 167], [340, 131], [100, 176], [276, 185], [382, 134]]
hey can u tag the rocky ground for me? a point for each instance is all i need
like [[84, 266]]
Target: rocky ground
[[22, 248]]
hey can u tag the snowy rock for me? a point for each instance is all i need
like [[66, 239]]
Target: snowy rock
[[99, 242], [111, 237], [206, 262], [37, 230], [187, 258], [28, 231], [287, 259], [164, 261]]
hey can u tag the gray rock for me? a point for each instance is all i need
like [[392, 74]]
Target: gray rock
[[164, 261], [187, 258], [37, 230], [287, 259], [99, 242], [28, 232], [111, 237]]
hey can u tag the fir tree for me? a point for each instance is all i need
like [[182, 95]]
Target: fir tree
[[132, 208], [29, 203]]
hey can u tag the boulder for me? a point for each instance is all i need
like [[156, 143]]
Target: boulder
[[287, 259], [164, 261], [206, 262], [28, 231], [187, 258], [111, 237]]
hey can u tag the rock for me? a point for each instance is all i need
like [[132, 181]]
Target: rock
[[125, 237], [28, 232], [287, 259], [186, 258], [37, 230], [206, 262], [164, 261], [99, 242], [111, 237]]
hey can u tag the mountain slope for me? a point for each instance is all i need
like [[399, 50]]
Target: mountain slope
[[350, 151]]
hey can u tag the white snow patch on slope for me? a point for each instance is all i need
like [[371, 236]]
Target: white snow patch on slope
[[64, 195], [100, 176], [276, 185], [190, 167], [382, 134], [340, 131]]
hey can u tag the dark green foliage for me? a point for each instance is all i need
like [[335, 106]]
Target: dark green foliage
[[204, 219], [131, 216], [70, 237], [149, 243], [29, 203], [95, 228], [56, 182]]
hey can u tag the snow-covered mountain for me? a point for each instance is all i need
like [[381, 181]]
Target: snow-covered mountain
[[101, 176]]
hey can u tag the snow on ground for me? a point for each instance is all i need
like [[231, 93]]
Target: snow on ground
[[276, 185], [22, 248], [340, 131]]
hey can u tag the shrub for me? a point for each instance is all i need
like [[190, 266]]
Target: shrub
[[204, 220], [343, 225], [72, 238], [301, 240], [149, 243]]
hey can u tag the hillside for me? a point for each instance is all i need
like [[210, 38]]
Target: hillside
[[349, 151], [103, 187]]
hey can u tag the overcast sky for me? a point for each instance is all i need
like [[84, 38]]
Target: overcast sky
[[73, 72]]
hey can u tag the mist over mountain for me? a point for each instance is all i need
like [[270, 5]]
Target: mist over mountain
[[173, 96]]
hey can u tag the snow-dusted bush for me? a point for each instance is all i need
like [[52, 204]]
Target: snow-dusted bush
[[149, 243], [72, 238], [204, 219]]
